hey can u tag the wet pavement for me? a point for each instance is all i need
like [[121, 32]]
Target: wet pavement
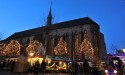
[[13, 73]]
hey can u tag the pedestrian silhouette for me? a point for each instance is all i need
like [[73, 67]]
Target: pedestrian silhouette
[[43, 67]]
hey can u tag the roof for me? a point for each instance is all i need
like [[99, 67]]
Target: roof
[[39, 30]]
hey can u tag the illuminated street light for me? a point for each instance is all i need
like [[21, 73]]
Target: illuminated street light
[[31, 54], [123, 50]]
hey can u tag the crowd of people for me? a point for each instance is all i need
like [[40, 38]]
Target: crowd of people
[[74, 68], [7, 65], [83, 68], [119, 66], [37, 67]]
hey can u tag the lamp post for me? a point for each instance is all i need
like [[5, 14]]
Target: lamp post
[[31, 54]]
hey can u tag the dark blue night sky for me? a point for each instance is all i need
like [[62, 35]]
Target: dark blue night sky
[[20, 15]]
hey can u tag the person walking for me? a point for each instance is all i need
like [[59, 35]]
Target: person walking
[[100, 68], [86, 67], [76, 65], [74, 68], [36, 68], [120, 70], [81, 68], [43, 67]]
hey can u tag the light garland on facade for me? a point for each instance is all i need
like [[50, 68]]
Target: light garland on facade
[[61, 48], [86, 48], [2, 47], [33, 47], [12, 49]]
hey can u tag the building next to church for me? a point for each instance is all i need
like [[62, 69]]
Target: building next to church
[[75, 39]]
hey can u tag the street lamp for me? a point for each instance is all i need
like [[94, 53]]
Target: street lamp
[[123, 50], [31, 54]]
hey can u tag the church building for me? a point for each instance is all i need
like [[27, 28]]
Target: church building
[[76, 39]]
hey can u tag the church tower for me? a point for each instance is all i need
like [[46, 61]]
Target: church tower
[[49, 18]]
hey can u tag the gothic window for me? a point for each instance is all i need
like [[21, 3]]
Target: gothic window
[[95, 43], [81, 32], [64, 37], [76, 44], [52, 44], [55, 40], [68, 41], [59, 36], [67, 38]]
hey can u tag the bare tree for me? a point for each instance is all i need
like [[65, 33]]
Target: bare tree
[[43, 20], [113, 48], [0, 36]]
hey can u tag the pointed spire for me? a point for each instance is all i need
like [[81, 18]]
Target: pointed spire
[[49, 17]]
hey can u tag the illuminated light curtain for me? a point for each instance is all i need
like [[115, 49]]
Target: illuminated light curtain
[[2, 48], [33, 47], [61, 48], [86, 47], [13, 48]]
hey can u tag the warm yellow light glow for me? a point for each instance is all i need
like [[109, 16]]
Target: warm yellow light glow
[[60, 63], [49, 61], [123, 50], [33, 60], [31, 54]]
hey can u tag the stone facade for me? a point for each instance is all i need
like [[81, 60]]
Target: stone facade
[[75, 39]]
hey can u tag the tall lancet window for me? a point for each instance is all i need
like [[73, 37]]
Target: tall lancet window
[[59, 36], [51, 44], [76, 45], [95, 43], [68, 41]]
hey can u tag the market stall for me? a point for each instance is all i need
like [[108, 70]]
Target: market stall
[[57, 64]]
